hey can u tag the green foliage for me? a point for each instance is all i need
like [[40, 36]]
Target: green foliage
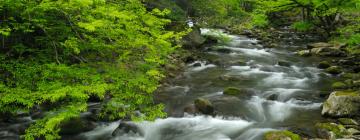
[[56, 55], [219, 13], [302, 26], [259, 20]]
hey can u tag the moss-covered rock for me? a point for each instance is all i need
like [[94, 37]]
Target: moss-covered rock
[[324, 65], [281, 135], [304, 53], [204, 106], [335, 70], [348, 121], [342, 104], [338, 85], [324, 130], [232, 91]]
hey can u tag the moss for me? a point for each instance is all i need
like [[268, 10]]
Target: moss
[[338, 129], [324, 65], [346, 93], [232, 91], [281, 135], [304, 53], [347, 121], [334, 70], [339, 85]]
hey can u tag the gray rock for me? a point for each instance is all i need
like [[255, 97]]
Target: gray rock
[[127, 127], [342, 104], [319, 45], [204, 106], [284, 63]]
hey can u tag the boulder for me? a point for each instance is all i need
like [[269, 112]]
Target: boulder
[[348, 121], [243, 93], [284, 63], [223, 50], [330, 130], [190, 109], [76, 126], [197, 64], [335, 70], [193, 39], [331, 52], [319, 45], [324, 65], [127, 128], [281, 135], [204, 106], [342, 104], [339, 85], [304, 53]]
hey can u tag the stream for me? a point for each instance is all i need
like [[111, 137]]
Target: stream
[[282, 98], [295, 91]]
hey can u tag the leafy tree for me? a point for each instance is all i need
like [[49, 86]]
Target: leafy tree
[[58, 55]]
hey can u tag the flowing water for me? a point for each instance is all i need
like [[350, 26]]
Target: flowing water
[[282, 97]]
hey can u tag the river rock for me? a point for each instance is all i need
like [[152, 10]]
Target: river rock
[[324, 65], [335, 70], [193, 39], [240, 92], [319, 45], [284, 63], [204, 106], [330, 131], [304, 53], [281, 135], [331, 52], [348, 121], [126, 128], [339, 85], [342, 104], [76, 126], [223, 50]]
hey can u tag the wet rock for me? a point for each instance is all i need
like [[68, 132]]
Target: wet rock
[[193, 39], [244, 93], [353, 131], [204, 106], [335, 70], [304, 53], [284, 63], [324, 65], [190, 109], [239, 63], [223, 50], [342, 104], [281, 135], [233, 78], [331, 52], [126, 128], [339, 85], [197, 65], [76, 126], [348, 121], [330, 130], [319, 45], [272, 97]]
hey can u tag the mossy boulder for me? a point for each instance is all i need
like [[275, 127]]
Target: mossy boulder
[[330, 130], [304, 53], [348, 121], [342, 104], [204, 106], [338, 85], [76, 126], [319, 45], [281, 135], [324, 65], [239, 92], [335, 70]]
